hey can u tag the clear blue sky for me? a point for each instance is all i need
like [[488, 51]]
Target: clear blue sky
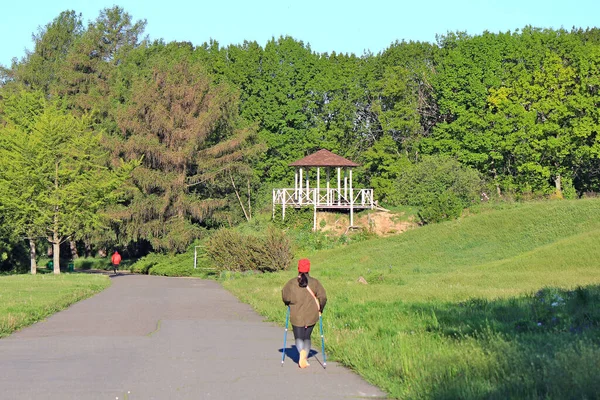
[[344, 26]]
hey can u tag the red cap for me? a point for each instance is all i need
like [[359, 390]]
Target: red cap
[[303, 265]]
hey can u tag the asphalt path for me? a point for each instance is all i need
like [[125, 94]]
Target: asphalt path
[[165, 338]]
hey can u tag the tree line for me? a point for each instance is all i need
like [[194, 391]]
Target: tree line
[[162, 141]]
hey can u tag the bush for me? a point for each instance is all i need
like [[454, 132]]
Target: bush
[[440, 187], [230, 250], [172, 269], [295, 218], [276, 251], [144, 264]]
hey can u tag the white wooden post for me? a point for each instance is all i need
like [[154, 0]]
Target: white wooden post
[[315, 218], [346, 183], [273, 204], [300, 188], [307, 189], [296, 184], [339, 185], [351, 201], [328, 194], [318, 194]]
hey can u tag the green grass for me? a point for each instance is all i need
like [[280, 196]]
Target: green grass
[[26, 299], [501, 304]]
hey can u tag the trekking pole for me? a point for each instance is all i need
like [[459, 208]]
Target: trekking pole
[[287, 318], [322, 341]]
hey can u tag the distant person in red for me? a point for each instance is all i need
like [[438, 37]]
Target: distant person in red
[[116, 260]]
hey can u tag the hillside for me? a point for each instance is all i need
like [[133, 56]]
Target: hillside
[[499, 304]]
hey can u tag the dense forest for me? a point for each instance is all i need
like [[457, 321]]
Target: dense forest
[[110, 139]]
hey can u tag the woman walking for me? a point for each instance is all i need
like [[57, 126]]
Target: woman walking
[[306, 298]]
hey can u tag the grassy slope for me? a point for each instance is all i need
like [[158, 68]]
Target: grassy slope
[[455, 309], [26, 299]]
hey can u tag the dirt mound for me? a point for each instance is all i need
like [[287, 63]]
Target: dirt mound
[[382, 223]]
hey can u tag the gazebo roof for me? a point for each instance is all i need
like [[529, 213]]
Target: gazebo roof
[[323, 158]]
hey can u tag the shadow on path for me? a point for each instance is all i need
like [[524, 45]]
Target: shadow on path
[[292, 354]]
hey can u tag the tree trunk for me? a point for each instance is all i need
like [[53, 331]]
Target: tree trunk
[[88, 248], [558, 185], [56, 257], [249, 204], [238, 197], [73, 246], [32, 257], [496, 182], [56, 246], [55, 238]]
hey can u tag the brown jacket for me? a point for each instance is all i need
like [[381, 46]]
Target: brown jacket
[[303, 308]]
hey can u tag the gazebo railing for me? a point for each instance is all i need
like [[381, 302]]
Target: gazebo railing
[[323, 197]]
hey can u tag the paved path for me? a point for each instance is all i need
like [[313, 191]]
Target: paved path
[[163, 338]]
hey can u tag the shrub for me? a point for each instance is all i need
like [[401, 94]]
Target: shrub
[[440, 187], [174, 265], [144, 264], [295, 218], [276, 251], [171, 269], [230, 250]]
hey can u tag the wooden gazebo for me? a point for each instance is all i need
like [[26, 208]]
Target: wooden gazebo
[[340, 195]]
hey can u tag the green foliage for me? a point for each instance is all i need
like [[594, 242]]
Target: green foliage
[[230, 250], [144, 264], [519, 107], [502, 304], [508, 103], [174, 265], [173, 268], [276, 251], [54, 179], [14, 255], [186, 129], [295, 218], [440, 186], [39, 69], [382, 164]]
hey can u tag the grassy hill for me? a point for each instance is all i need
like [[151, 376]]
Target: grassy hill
[[502, 304]]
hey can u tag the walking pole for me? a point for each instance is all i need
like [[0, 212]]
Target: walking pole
[[322, 341], [287, 318]]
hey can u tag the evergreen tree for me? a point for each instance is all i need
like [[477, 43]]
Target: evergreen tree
[[186, 129]]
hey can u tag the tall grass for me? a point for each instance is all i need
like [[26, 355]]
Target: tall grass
[[26, 299], [502, 304]]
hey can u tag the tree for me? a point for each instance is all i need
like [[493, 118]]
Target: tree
[[38, 69], [404, 102], [54, 179], [83, 79], [382, 165], [440, 186], [187, 130], [17, 177]]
